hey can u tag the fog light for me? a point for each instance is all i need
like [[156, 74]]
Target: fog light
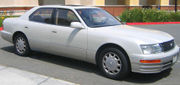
[[150, 61]]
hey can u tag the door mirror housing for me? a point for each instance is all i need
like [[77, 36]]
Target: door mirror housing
[[77, 25]]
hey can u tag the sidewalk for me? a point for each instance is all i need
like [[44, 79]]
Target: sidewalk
[[13, 76]]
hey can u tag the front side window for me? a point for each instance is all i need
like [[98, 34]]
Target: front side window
[[95, 17], [64, 17], [43, 15]]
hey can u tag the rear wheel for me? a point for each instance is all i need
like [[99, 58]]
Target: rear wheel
[[113, 63], [21, 45]]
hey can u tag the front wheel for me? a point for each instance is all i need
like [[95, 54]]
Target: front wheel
[[113, 63], [21, 45]]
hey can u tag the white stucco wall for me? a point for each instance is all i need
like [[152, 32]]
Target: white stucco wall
[[87, 2], [18, 3], [73, 2], [66, 2]]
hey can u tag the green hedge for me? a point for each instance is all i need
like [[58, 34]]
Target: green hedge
[[1, 20], [149, 15]]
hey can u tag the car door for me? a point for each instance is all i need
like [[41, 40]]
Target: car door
[[38, 29], [65, 40]]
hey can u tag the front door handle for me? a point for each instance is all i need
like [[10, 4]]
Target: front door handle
[[54, 31]]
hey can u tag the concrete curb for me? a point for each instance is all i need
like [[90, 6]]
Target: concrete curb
[[151, 23], [13, 76]]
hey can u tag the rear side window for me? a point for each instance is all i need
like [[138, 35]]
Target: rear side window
[[43, 15]]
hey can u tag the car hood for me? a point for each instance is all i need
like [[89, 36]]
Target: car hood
[[140, 35]]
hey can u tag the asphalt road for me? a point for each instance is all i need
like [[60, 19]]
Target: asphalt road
[[84, 73]]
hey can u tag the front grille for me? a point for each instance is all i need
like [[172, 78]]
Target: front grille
[[168, 45]]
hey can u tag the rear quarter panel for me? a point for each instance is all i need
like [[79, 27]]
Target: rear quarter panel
[[12, 25]]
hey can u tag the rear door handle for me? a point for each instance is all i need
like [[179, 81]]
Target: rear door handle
[[26, 27], [54, 31]]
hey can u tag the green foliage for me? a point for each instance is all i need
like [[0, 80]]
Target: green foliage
[[4, 17], [1, 22], [175, 16], [149, 15], [132, 16]]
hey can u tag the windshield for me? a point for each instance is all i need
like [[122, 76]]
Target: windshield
[[95, 17]]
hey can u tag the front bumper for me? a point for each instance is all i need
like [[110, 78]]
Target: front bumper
[[166, 61]]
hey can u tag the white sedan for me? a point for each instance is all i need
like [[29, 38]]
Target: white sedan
[[92, 35]]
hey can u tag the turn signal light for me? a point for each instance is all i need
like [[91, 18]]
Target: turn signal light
[[150, 61]]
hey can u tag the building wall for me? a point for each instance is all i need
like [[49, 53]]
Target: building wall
[[51, 2], [87, 2], [134, 2], [16, 7], [72, 2], [164, 2], [109, 2], [16, 3], [69, 2], [5, 3], [23, 5], [101, 2]]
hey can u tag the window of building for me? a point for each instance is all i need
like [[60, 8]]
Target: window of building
[[51, 2], [171, 2], [153, 2], [143, 2], [43, 15], [111, 2], [116, 2]]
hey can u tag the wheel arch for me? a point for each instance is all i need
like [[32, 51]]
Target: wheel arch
[[112, 45], [16, 33]]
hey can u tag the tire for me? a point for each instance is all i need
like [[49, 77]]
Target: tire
[[21, 45], [113, 63]]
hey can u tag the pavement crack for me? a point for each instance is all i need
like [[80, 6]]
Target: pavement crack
[[43, 81]]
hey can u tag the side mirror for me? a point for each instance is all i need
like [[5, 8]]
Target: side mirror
[[76, 25]]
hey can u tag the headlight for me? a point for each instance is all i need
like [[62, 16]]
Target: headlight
[[151, 49]]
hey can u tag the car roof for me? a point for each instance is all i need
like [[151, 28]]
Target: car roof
[[68, 6]]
